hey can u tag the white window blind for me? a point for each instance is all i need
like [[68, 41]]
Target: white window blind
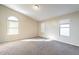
[[13, 25], [65, 29]]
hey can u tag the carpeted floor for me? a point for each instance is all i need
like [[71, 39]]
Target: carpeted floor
[[23, 47]]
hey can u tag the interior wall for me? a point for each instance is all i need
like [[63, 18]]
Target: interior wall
[[27, 26], [52, 25]]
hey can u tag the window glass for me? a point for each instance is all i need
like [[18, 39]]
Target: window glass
[[65, 29], [13, 25]]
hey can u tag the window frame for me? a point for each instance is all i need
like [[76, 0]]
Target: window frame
[[64, 27], [15, 27]]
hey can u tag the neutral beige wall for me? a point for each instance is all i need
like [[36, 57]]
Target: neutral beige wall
[[54, 30], [27, 26]]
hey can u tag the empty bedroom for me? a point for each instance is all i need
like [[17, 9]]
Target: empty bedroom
[[39, 29]]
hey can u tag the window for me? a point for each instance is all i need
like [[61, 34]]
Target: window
[[12, 25], [65, 29], [43, 29]]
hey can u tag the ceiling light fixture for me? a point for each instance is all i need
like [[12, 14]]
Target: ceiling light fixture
[[36, 7]]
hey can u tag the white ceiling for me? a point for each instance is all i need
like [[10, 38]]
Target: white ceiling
[[45, 11]]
